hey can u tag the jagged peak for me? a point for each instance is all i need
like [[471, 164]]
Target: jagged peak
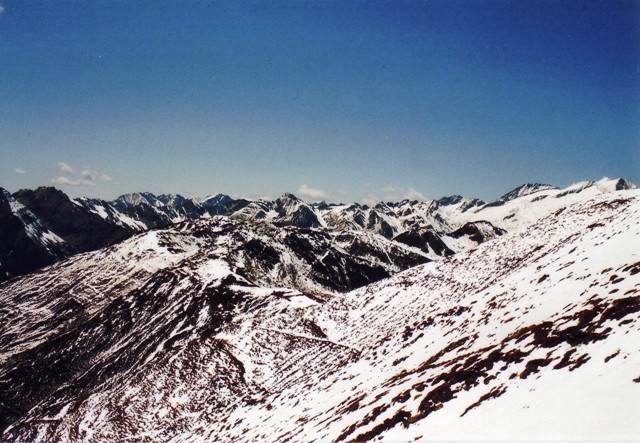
[[321, 205], [139, 198], [215, 199], [605, 185], [625, 183], [529, 188], [521, 191], [355, 207], [289, 196], [42, 190], [382, 206], [449, 200], [171, 198]]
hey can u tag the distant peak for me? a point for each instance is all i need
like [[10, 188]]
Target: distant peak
[[405, 202], [521, 191], [624, 183], [320, 205], [138, 198], [289, 196], [530, 188], [450, 200], [47, 190], [215, 200]]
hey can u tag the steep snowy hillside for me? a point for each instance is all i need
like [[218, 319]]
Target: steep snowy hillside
[[358, 217], [287, 210], [527, 203], [146, 208], [110, 214], [25, 244], [85, 224], [471, 235], [443, 215], [181, 335]]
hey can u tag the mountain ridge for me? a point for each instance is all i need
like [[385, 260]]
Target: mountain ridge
[[169, 335], [88, 224]]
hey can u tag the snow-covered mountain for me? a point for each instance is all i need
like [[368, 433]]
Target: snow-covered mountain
[[25, 243], [226, 330], [438, 227], [86, 224], [254, 259], [527, 203]]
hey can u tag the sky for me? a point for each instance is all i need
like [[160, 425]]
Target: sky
[[336, 100]]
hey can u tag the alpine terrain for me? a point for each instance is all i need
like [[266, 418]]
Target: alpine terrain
[[165, 318]]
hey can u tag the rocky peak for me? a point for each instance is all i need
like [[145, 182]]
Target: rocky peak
[[521, 191], [624, 183]]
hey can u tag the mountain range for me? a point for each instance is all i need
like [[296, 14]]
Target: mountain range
[[164, 318], [39, 227]]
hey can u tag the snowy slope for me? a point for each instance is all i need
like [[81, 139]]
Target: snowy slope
[[170, 336], [287, 210], [513, 211], [32, 226], [146, 208], [25, 244], [528, 203], [109, 213], [547, 321], [379, 219], [85, 224], [437, 227], [443, 214]]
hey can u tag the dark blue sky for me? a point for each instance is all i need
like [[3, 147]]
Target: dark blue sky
[[357, 99]]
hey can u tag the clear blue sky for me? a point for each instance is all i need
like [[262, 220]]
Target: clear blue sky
[[352, 99]]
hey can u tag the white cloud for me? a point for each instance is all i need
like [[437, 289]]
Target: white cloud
[[252, 197], [62, 180], [19, 170], [1, 9], [389, 189], [370, 200], [88, 175], [412, 194], [312, 193], [65, 168], [393, 194], [94, 175]]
